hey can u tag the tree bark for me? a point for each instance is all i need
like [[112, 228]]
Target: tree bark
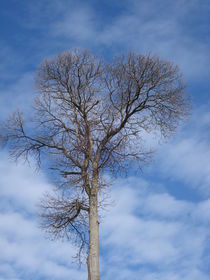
[[93, 257]]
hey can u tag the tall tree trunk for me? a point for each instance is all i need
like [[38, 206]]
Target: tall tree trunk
[[93, 257]]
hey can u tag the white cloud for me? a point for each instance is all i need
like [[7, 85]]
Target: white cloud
[[186, 158], [146, 232], [17, 95], [144, 27], [27, 254], [171, 208], [78, 24], [20, 185], [154, 232]]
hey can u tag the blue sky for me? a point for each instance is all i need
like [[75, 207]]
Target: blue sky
[[158, 227]]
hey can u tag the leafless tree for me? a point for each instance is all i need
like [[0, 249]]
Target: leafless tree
[[89, 117]]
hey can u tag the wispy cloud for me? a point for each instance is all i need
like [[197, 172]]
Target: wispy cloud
[[160, 28], [27, 253], [154, 26], [187, 157], [146, 232], [151, 231], [77, 24], [17, 95]]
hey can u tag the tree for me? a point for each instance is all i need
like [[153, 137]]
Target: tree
[[89, 118]]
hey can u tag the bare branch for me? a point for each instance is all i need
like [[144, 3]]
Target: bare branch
[[90, 117]]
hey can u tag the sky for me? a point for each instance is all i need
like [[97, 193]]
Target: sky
[[158, 226]]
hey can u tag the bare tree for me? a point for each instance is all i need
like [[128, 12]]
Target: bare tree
[[89, 118]]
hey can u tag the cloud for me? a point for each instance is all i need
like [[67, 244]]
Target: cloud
[[142, 26], [146, 232], [77, 23], [24, 187], [186, 158], [157, 27], [17, 95], [9, 61], [152, 234], [27, 254]]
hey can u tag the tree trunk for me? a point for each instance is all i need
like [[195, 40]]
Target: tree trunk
[[93, 257]]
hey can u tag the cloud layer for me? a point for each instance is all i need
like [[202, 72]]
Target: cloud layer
[[27, 254], [158, 227], [154, 235], [186, 158], [145, 232]]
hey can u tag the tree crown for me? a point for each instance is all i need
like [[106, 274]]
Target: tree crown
[[89, 116]]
